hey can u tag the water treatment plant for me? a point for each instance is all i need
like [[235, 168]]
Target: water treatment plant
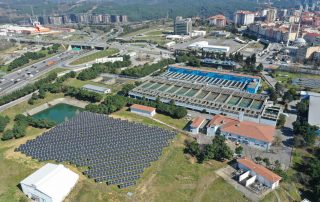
[[214, 92]]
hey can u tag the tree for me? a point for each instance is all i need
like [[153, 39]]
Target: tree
[[272, 94], [281, 121], [260, 67], [192, 148], [277, 140], [239, 150], [4, 120], [218, 150], [266, 161], [279, 88]]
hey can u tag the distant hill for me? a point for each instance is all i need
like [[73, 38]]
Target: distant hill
[[151, 9]]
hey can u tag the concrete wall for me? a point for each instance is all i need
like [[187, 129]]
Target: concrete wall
[[251, 180], [31, 192], [244, 176]]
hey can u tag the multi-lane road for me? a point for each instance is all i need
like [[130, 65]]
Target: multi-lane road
[[26, 75]]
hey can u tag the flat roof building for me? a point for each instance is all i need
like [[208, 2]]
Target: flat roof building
[[182, 26], [51, 183], [314, 109], [257, 173], [96, 89], [143, 110]]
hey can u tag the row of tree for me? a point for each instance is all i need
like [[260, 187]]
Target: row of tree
[[21, 124], [147, 69], [108, 67], [27, 89], [305, 134], [4, 120], [113, 103]]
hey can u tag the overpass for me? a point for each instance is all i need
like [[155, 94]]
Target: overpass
[[74, 44]]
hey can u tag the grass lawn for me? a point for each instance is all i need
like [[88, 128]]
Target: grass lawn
[[78, 84], [97, 55], [55, 70], [174, 177], [24, 106], [286, 77], [178, 123]]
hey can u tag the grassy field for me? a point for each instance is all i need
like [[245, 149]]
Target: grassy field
[[174, 177], [286, 77], [78, 84], [97, 55]]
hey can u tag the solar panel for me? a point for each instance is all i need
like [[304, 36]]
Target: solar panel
[[114, 151]]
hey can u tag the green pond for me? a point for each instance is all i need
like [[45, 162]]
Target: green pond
[[58, 113]]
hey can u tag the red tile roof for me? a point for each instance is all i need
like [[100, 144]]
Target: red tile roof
[[247, 129], [196, 123], [142, 107], [222, 17], [313, 34], [260, 170]]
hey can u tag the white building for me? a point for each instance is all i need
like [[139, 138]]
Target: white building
[[197, 33], [204, 45], [255, 172], [244, 17], [170, 44], [51, 183], [196, 124], [107, 59], [177, 37], [143, 110], [96, 89], [245, 132]]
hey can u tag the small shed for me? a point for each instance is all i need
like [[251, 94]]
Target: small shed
[[143, 110]]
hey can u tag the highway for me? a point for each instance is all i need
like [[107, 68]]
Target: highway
[[26, 75]]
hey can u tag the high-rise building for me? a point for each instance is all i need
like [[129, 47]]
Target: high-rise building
[[96, 19], [218, 20], [66, 19], [56, 20], [115, 18], [124, 18], [106, 19], [244, 18], [182, 26], [44, 20], [271, 15], [282, 14]]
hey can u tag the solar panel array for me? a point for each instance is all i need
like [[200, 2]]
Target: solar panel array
[[114, 151]]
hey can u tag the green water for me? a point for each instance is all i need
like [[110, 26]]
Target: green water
[[58, 113]]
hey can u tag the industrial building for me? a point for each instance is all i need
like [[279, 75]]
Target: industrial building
[[96, 89], [211, 91], [254, 172], [143, 110], [182, 26], [228, 64], [244, 132], [51, 183]]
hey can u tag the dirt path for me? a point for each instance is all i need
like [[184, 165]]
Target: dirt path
[[203, 185]]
